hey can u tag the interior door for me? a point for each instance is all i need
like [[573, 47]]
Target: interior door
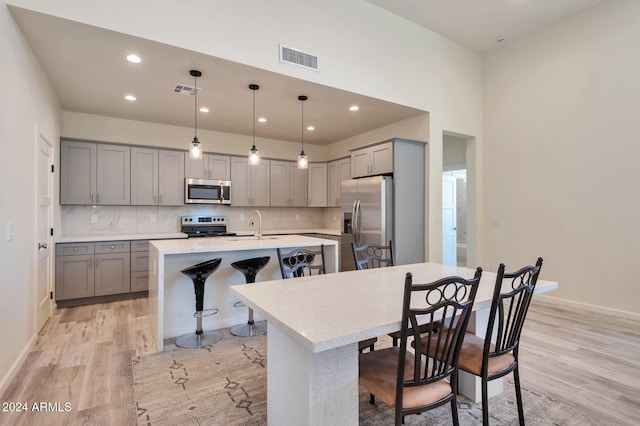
[[449, 230], [44, 190]]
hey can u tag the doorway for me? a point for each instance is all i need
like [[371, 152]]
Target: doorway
[[44, 190], [458, 211]]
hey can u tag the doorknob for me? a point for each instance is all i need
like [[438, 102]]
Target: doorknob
[[42, 246]]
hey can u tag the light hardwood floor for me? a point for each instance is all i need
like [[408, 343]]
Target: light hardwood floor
[[83, 356]]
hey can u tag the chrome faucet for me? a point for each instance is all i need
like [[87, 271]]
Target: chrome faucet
[[258, 233]]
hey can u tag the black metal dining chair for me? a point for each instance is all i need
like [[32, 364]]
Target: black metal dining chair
[[406, 379], [300, 262]]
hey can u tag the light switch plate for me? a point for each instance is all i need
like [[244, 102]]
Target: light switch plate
[[10, 231], [94, 218]]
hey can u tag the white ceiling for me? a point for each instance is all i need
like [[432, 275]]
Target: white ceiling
[[87, 69], [478, 23]]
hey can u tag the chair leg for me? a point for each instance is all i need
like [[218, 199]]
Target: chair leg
[[485, 402], [372, 399], [516, 379], [394, 341], [454, 412]]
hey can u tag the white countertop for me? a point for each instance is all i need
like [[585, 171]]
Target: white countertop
[[121, 237], [220, 244], [327, 231]]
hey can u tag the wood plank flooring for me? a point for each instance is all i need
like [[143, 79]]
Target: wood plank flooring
[[83, 357]]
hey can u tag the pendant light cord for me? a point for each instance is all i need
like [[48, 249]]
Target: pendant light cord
[[302, 127], [195, 107], [254, 119]]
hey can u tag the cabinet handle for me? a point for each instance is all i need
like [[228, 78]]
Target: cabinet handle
[[98, 198], [75, 249], [42, 246], [91, 262], [112, 247], [92, 198], [155, 199], [160, 199]]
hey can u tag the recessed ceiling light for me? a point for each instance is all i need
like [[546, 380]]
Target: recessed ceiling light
[[354, 108], [311, 128], [134, 58], [130, 98], [204, 109], [262, 120]]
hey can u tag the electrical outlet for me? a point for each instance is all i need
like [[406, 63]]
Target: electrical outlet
[[152, 218], [242, 216], [10, 231], [94, 218], [297, 218], [495, 222]]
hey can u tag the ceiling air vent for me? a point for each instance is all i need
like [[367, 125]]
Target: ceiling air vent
[[185, 89], [297, 57]]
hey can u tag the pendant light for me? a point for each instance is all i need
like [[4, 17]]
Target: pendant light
[[303, 161], [254, 156], [195, 152]]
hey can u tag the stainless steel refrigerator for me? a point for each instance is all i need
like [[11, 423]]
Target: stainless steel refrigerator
[[367, 215]]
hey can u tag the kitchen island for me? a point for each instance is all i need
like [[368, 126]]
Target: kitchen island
[[171, 294]]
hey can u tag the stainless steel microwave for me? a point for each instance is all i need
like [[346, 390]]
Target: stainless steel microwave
[[206, 191]]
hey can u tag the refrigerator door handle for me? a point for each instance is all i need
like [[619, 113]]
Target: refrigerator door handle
[[357, 218]]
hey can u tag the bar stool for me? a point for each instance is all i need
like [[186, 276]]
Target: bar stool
[[250, 268], [199, 274]]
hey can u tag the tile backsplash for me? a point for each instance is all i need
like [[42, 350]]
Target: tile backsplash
[[108, 220]]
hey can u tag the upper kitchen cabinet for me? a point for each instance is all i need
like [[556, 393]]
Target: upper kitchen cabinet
[[94, 173], [157, 177], [288, 184], [337, 171], [251, 185], [317, 185], [372, 160], [210, 166]]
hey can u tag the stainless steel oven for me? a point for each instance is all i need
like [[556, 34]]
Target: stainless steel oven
[[206, 191]]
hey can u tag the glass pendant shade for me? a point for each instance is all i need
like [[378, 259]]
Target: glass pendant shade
[[303, 161], [254, 155], [195, 152]]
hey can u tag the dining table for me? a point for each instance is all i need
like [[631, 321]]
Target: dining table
[[314, 325]]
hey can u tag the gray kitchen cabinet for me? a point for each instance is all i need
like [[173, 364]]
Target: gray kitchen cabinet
[[337, 171], [251, 184], [210, 166], [288, 184], [157, 177], [139, 265], [317, 185], [112, 268], [74, 270], [94, 173], [372, 160]]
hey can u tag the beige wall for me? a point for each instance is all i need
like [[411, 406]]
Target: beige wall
[[562, 131], [28, 107]]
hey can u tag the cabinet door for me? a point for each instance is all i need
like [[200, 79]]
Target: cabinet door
[[240, 182], [333, 183], [360, 163], [345, 174], [219, 167], [113, 183], [170, 178], [112, 273], [382, 158], [77, 172], [261, 183], [318, 185], [195, 167], [280, 191], [74, 276], [298, 185], [144, 177], [139, 281]]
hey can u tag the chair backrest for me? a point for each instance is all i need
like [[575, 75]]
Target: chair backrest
[[372, 255], [301, 262], [511, 298], [451, 298]]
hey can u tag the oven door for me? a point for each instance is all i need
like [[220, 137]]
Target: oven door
[[205, 191]]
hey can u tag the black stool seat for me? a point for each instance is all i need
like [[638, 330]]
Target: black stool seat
[[250, 268], [199, 274]]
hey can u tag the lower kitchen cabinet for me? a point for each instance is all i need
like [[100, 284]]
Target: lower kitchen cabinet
[[92, 269], [139, 266]]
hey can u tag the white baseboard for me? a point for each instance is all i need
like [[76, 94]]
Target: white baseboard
[[587, 307], [17, 364]]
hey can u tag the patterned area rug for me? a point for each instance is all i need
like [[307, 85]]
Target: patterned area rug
[[226, 385]]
